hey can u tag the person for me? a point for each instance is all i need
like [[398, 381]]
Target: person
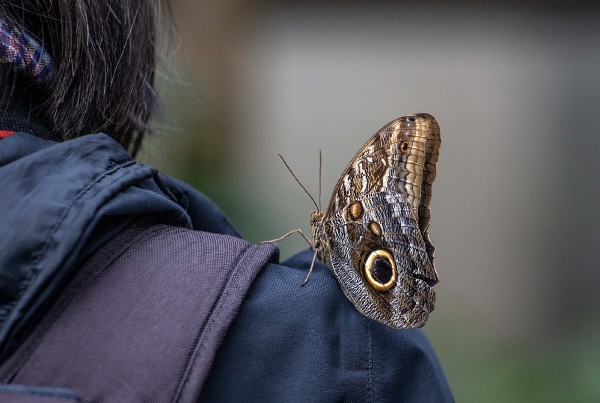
[[120, 284]]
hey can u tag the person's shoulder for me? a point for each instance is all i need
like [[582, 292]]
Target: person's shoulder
[[313, 345]]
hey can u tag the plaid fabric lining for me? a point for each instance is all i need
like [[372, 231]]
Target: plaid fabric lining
[[25, 52]]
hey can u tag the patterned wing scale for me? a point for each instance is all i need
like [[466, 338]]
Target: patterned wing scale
[[374, 233], [392, 159]]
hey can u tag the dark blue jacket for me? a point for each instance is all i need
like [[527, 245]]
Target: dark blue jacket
[[120, 284]]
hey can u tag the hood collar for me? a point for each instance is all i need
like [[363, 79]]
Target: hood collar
[[53, 196]]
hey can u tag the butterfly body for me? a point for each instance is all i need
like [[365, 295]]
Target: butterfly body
[[373, 235]]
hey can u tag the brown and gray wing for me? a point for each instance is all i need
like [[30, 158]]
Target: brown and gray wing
[[400, 158], [385, 229]]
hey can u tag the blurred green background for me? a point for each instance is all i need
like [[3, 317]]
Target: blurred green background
[[516, 89]]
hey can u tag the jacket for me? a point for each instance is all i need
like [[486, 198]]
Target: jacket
[[120, 284]]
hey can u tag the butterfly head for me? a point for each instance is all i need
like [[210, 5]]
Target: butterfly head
[[316, 218]]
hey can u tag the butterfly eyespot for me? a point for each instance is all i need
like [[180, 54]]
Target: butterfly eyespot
[[380, 270], [355, 211], [404, 146], [374, 228]]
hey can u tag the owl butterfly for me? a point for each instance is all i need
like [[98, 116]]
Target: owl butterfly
[[373, 234]]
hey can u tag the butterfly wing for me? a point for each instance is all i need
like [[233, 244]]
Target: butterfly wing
[[372, 235]]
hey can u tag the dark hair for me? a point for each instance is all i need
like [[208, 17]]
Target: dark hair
[[104, 55]]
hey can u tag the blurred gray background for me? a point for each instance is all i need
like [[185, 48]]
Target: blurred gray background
[[516, 90]]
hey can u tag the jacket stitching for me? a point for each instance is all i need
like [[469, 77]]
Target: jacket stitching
[[370, 369]]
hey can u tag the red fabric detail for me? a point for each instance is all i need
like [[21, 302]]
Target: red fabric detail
[[5, 133]]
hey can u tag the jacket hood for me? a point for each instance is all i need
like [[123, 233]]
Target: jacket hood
[[60, 201]]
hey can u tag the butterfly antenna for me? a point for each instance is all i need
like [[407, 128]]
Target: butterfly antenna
[[288, 167], [320, 169]]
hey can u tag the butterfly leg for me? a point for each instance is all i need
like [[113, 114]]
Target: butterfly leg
[[288, 234], [312, 264]]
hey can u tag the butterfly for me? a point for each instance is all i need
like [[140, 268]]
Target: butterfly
[[374, 233]]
